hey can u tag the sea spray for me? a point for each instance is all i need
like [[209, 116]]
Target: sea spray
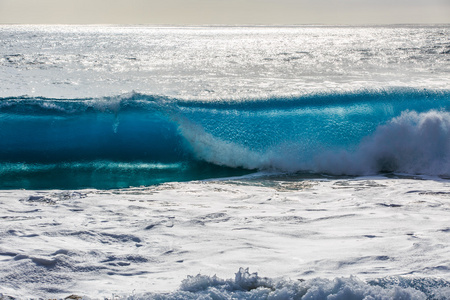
[[248, 285], [414, 143]]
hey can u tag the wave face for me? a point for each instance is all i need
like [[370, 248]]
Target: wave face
[[139, 139]]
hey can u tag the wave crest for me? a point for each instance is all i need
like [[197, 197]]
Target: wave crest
[[248, 285]]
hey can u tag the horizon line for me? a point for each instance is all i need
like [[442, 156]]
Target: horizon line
[[231, 25]]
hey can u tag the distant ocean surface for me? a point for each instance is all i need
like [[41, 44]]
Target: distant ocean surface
[[133, 158], [109, 107]]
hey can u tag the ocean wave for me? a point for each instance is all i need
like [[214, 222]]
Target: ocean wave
[[358, 133], [248, 285]]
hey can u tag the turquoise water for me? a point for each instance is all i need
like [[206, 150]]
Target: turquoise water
[[138, 139]]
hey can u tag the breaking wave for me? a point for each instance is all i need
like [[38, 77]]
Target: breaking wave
[[354, 133], [248, 285], [414, 143]]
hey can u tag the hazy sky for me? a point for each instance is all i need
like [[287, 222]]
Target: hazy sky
[[224, 11]]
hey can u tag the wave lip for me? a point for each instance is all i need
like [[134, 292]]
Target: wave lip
[[137, 100]]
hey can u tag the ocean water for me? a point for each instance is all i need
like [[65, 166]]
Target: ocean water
[[133, 158], [109, 107]]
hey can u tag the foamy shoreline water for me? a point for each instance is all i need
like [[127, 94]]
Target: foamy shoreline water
[[96, 243]]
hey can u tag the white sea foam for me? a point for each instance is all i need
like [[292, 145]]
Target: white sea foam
[[132, 242], [251, 286], [411, 143]]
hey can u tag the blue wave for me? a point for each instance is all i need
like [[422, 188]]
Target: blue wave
[[364, 132]]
